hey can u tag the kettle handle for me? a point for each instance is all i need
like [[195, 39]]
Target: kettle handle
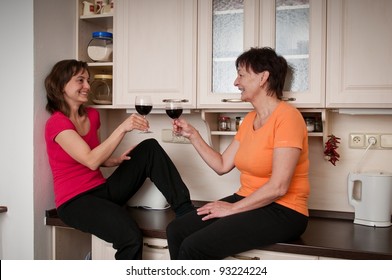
[[352, 177]]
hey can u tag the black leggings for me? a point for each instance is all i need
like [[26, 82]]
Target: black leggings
[[100, 211], [191, 238]]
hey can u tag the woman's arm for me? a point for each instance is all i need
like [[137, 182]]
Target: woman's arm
[[283, 167], [79, 150], [220, 163]]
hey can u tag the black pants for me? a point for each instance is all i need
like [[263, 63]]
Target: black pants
[[100, 211], [191, 238]]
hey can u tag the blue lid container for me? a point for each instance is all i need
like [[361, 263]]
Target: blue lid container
[[102, 35]]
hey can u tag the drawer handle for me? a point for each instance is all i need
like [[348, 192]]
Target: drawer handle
[[156, 246], [232, 100], [241, 257], [288, 99]]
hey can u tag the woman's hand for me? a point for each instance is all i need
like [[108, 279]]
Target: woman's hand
[[181, 126], [216, 209], [111, 162], [135, 121]]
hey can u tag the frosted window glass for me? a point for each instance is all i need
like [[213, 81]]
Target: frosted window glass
[[292, 41], [227, 38]]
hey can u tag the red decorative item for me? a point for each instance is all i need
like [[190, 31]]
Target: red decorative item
[[330, 149]]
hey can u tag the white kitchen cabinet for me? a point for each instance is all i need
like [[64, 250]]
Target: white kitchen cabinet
[[359, 54], [295, 28], [270, 255], [70, 244], [155, 51], [153, 249], [101, 250], [86, 25]]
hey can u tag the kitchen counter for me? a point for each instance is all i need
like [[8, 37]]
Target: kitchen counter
[[329, 234]]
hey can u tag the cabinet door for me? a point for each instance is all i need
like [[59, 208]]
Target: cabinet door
[[155, 249], [101, 250], [227, 28], [359, 54], [155, 51], [270, 255], [300, 38], [222, 37]]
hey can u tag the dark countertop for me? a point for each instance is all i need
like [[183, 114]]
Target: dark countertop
[[329, 234]]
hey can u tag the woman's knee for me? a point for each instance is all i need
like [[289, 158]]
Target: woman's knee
[[151, 142]]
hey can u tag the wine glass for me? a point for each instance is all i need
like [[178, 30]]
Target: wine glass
[[174, 110], [143, 105]]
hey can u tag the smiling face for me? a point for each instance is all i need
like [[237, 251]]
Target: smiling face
[[248, 82], [76, 91]]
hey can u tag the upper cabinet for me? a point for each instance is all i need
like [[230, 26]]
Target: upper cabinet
[[155, 51], [300, 37], [89, 22], [359, 54], [296, 29]]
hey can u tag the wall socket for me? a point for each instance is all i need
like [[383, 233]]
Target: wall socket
[[362, 140], [357, 140]]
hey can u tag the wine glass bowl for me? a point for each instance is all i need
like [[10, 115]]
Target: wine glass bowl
[[143, 105], [173, 109]]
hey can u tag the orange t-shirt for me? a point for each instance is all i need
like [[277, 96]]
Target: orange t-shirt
[[284, 128]]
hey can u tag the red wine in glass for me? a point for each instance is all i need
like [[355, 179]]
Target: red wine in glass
[[143, 110], [143, 105], [174, 110], [174, 113]]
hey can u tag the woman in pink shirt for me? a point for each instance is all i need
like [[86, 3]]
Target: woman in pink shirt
[[85, 199]]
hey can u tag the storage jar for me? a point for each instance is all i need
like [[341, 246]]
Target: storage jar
[[100, 47], [101, 89], [224, 123]]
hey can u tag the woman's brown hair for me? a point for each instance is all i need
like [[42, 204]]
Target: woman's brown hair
[[266, 59]]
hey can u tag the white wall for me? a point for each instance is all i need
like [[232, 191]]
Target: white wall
[[54, 40], [16, 118], [36, 34]]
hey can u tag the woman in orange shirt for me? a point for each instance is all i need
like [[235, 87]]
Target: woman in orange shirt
[[271, 152]]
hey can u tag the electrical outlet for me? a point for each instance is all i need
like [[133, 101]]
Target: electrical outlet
[[357, 140], [374, 136]]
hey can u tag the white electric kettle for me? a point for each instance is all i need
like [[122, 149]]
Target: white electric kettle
[[371, 195]]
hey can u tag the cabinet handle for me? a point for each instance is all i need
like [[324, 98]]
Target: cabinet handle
[[288, 99], [156, 246], [175, 100], [241, 257], [231, 100]]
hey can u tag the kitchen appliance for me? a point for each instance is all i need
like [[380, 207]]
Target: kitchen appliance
[[149, 197], [371, 195]]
